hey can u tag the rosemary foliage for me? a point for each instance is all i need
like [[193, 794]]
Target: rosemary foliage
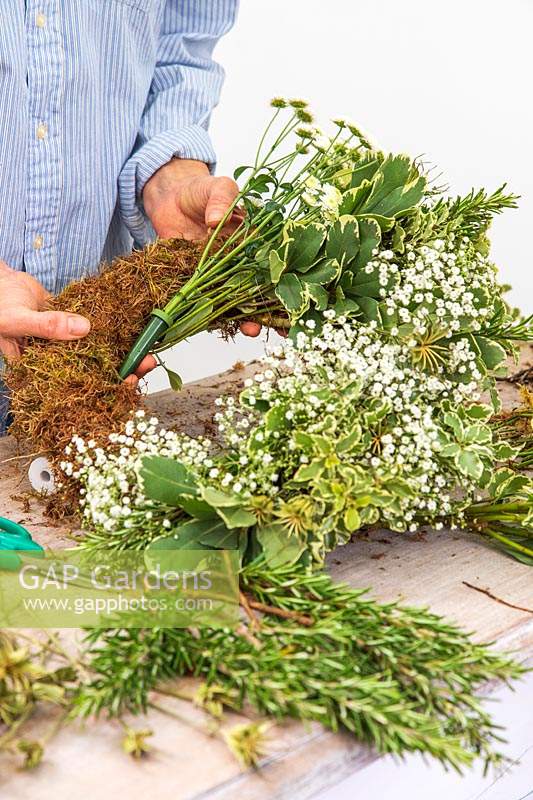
[[474, 211], [399, 679]]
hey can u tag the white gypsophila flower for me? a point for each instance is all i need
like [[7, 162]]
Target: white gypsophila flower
[[306, 380], [112, 498], [435, 288]]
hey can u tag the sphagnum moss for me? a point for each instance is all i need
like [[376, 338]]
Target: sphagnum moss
[[60, 388]]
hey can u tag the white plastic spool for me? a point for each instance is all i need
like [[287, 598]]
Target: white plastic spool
[[41, 475]]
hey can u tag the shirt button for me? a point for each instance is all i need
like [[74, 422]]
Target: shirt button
[[40, 20], [41, 131], [38, 242]]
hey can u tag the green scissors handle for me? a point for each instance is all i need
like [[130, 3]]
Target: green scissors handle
[[13, 528], [14, 538]]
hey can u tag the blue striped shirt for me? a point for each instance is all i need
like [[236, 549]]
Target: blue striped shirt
[[95, 96]]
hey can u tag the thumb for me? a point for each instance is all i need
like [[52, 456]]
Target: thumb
[[46, 324], [223, 192]]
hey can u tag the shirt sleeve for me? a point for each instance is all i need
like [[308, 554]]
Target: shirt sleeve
[[185, 89]]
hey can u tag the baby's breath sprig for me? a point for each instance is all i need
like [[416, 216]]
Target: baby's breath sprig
[[115, 510]]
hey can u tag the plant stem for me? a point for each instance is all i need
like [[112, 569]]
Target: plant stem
[[508, 542]]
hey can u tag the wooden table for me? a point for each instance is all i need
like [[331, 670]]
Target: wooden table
[[427, 569]]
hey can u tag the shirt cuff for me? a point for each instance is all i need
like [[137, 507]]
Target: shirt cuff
[[192, 142]]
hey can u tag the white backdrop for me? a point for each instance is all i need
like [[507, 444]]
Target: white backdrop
[[448, 80]]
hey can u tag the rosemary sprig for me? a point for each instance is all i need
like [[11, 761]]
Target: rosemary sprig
[[399, 679]]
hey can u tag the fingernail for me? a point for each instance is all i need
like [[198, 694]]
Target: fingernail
[[78, 326], [215, 217]]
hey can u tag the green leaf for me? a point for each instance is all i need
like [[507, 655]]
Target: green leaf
[[479, 412], [389, 320], [503, 451], [505, 483], [369, 239], [221, 539], [497, 486], [319, 296], [356, 287], [166, 480], [352, 519], [400, 488], [516, 484], [354, 199], [260, 182], [291, 292], [342, 242], [370, 309], [277, 266], [191, 535], [240, 279], [239, 171], [322, 444], [385, 223], [275, 419], [492, 353], [229, 507], [175, 380], [323, 273], [218, 499], [363, 172], [396, 188], [450, 450], [495, 398], [171, 543], [522, 557], [454, 422], [398, 239], [308, 472], [469, 463], [310, 314], [304, 440], [280, 547], [304, 245], [506, 540], [236, 517], [196, 508], [346, 444], [478, 434], [270, 206]]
